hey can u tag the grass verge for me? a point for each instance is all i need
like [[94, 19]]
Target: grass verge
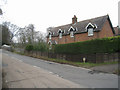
[[78, 64]]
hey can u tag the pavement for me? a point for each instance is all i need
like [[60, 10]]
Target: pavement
[[111, 68], [21, 75], [77, 75]]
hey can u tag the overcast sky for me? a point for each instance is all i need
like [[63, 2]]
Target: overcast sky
[[47, 13]]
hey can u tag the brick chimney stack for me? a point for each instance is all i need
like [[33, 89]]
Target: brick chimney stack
[[74, 19]]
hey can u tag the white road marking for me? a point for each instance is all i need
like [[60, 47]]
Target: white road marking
[[78, 67], [6, 81], [6, 54], [14, 58], [17, 59], [20, 60], [36, 66], [85, 69], [57, 75], [51, 72]]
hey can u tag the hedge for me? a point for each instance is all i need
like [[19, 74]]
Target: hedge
[[104, 45], [29, 47], [43, 47]]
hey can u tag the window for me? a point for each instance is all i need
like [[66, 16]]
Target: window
[[50, 45], [71, 30], [71, 34], [90, 29], [49, 36], [60, 35], [90, 32]]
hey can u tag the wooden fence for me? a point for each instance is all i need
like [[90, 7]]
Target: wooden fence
[[93, 58]]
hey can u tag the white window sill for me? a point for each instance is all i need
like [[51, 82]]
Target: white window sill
[[71, 36], [90, 35]]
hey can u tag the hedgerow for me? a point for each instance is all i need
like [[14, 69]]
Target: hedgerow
[[43, 47], [104, 45], [29, 47]]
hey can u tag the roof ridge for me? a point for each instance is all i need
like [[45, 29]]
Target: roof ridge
[[93, 18], [82, 21], [99, 21], [63, 25]]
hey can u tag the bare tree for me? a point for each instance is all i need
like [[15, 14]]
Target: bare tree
[[1, 11], [6, 35], [13, 29], [40, 37]]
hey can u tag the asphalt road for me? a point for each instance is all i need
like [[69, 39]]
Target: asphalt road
[[18, 74], [78, 75]]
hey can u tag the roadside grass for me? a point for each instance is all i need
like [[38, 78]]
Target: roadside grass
[[18, 53], [78, 64]]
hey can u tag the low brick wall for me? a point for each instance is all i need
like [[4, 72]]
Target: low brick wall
[[93, 58]]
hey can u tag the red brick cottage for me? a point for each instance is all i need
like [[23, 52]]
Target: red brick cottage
[[98, 27], [117, 30]]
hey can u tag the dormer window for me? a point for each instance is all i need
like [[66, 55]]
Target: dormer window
[[60, 33], [90, 27], [90, 32], [50, 45], [71, 34], [50, 35], [71, 30]]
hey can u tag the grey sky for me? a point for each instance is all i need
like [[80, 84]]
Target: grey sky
[[47, 13]]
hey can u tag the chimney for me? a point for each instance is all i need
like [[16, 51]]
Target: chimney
[[74, 19]]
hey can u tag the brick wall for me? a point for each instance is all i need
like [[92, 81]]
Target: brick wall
[[105, 32], [85, 37]]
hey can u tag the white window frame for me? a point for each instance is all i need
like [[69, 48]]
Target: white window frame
[[60, 35], [71, 34], [50, 36], [90, 32], [88, 25], [71, 28], [50, 45]]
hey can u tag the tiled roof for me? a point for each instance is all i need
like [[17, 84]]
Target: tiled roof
[[80, 27]]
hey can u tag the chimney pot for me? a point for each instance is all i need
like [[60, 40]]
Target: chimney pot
[[74, 19]]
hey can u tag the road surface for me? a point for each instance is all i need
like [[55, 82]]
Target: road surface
[[76, 76], [18, 74]]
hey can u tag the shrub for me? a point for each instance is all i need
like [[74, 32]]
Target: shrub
[[104, 45], [40, 47], [29, 47]]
